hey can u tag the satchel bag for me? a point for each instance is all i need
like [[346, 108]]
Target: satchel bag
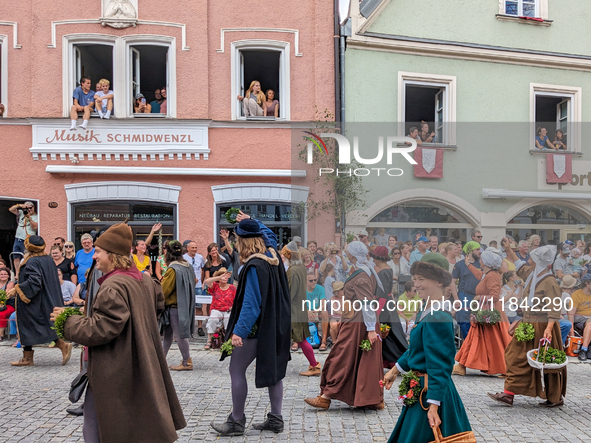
[[78, 386]]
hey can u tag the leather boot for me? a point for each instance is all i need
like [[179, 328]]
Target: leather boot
[[188, 366], [27, 359], [77, 412], [313, 371], [458, 370], [231, 427], [66, 349], [272, 423], [502, 397], [318, 402]]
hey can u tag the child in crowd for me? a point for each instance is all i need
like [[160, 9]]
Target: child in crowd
[[578, 261], [103, 99]]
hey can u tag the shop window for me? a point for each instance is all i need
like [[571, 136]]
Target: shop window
[[522, 8], [556, 113], [149, 72], [550, 215], [427, 99], [269, 65]]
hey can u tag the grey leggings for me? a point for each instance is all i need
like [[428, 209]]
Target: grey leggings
[[241, 359], [90, 429], [173, 330]]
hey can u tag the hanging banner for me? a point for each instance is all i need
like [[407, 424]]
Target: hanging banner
[[429, 162], [559, 168]]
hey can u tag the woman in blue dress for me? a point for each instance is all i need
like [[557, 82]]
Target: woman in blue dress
[[431, 356]]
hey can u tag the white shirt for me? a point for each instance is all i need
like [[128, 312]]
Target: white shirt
[[20, 230], [198, 263], [102, 94], [68, 289]]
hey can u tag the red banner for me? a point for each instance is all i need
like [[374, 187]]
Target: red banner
[[559, 168], [429, 162]]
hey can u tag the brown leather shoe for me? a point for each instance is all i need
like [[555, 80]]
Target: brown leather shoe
[[458, 370], [377, 407], [502, 397], [27, 359], [183, 367], [312, 371], [548, 404], [318, 402], [66, 349]]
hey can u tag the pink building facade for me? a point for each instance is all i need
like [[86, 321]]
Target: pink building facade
[[186, 166]]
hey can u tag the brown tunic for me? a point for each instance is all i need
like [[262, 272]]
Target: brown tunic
[[522, 379], [350, 374], [134, 393], [296, 277]]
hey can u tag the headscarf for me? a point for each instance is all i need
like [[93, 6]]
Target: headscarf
[[291, 252], [542, 257], [471, 246], [491, 259], [359, 251]]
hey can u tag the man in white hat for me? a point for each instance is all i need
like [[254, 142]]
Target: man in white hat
[[363, 237]]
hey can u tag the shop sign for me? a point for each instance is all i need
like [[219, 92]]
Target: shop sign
[[108, 216], [581, 180]]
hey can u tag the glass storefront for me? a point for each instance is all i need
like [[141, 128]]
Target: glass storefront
[[141, 216], [281, 219]]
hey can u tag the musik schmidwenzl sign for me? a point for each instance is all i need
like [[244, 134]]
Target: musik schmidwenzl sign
[[145, 138]]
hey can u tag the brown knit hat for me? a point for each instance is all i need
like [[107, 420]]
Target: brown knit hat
[[117, 239]]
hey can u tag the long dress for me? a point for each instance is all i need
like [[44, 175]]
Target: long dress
[[350, 374], [296, 277], [394, 345], [522, 379], [484, 346], [431, 351]]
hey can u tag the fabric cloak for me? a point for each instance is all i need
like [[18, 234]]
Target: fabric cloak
[[134, 394], [296, 277], [395, 343], [274, 322], [38, 293], [185, 297]]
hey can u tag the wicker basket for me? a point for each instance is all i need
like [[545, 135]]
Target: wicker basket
[[462, 437]]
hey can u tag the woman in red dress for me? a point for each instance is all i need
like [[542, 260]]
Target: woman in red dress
[[5, 285], [484, 347]]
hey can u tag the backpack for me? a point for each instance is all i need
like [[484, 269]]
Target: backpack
[[314, 339]]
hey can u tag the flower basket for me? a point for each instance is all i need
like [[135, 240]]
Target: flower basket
[[384, 331], [540, 358]]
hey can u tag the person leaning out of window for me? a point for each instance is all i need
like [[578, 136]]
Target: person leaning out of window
[[542, 140], [254, 101], [140, 106]]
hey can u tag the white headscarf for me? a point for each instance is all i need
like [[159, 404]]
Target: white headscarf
[[543, 257], [491, 259], [360, 251]]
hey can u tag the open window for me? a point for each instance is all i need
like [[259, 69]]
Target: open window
[[149, 72], [267, 62], [94, 61], [3, 73], [522, 8]]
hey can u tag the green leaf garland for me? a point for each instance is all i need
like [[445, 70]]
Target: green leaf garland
[[409, 389], [231, 215], [525, 332], [60, 321]]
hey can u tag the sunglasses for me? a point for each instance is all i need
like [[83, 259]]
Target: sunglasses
[[396, 253], [362, 236], [57, 244], [478, 236], [69, 246], [313, 280]]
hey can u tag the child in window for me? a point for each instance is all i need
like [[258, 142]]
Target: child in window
[[103, 99], [560, 140]]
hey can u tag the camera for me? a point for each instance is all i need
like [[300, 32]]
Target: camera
[[25, 211]]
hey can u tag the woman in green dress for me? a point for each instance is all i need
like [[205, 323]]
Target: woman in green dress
[[431, 356]]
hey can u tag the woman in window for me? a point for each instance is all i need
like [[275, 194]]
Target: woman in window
[[542, 140], [254, 101], [271, 105], [140, 106], [427, 137]]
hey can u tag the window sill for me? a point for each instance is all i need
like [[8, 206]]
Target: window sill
[[552, 151], [151, 115], [523, 20], [442, 146]]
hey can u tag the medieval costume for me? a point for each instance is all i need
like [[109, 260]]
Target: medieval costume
[[178, 318], [37, 292], [296, 278], [395, 344], [130, 395], [522, 379], [351, 374], [484, 347], [430, 356], [261, 318]]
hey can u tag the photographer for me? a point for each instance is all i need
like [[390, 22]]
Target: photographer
[[27, 225]]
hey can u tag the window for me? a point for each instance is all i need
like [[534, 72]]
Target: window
[[522, 8], [555, 113], [3, 72], [430, 99], [267, 62], [133, 64]]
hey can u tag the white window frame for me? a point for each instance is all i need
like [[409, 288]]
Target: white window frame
[[4, 68], [446, 82], [284, 74], [121, 66], [574, 94], [541, 8]]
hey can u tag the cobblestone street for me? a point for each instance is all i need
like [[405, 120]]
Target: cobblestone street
[[35, 400]]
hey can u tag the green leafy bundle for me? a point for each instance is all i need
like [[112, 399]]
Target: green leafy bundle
[[3, 297], [409, 389], [487, 316], [525, 332], [553, 356], [227, 347], [60, 321], [231, 215], [365, 345]]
